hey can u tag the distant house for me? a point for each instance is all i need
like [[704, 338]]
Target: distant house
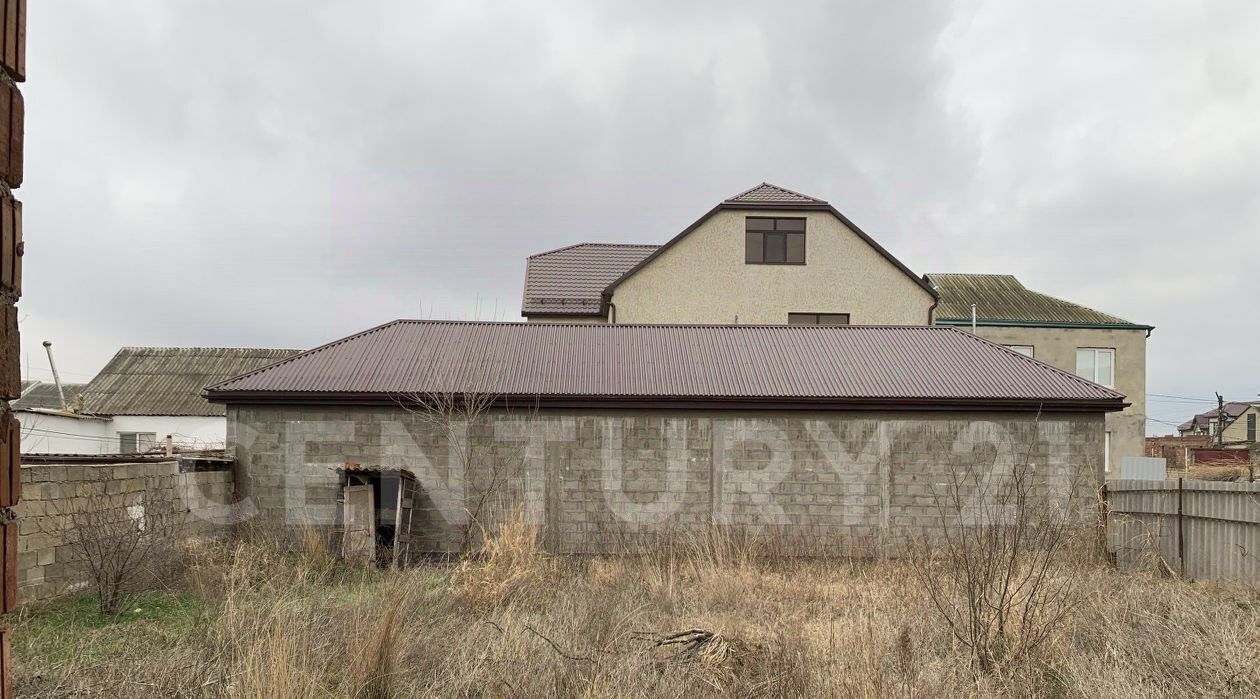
[[141, 396], [1101, 347], [766, 256], [1239, 419]]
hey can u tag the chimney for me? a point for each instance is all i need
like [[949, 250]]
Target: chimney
[[56, 377]]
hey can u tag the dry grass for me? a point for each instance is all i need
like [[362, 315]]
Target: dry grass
[[513, 623]]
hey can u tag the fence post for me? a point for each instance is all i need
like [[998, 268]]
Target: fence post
[[1181, 527]]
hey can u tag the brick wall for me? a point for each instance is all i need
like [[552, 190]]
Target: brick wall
[[53, 492], [595, 481], [12, 139]]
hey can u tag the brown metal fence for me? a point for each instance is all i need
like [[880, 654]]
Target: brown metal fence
[[1203, 530]]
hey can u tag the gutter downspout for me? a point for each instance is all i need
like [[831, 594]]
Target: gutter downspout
[[56, 377], [612, 313]]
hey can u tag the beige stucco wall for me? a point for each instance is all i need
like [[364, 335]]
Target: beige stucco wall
[[566, 319], [1057, 347], [1237, 430], [703, 279]]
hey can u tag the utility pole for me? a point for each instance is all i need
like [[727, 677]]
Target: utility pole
[[1220, 421]]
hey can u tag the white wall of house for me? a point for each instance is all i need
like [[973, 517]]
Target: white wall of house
[[185, 430], [44, 433]]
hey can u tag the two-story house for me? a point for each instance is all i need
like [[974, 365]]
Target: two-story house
[[765, 256], [1098, 346], [1236, 424], [773, 256]]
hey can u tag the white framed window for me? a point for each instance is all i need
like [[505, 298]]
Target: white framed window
[[136, 442], [1026, 350], [1107, 452], [1098, 364]]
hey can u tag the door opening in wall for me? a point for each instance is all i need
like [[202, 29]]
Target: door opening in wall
[[374, 522]]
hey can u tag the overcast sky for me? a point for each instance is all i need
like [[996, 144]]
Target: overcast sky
[[282, 173]]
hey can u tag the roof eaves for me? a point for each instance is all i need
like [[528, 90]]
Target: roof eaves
[[960, 322]]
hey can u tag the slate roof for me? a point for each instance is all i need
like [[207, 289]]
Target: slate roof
[[569, 281], [766, 193], [1002, 300], [42, 395], [680, 365], [170, 380]]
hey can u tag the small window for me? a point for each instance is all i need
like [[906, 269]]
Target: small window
[[818, 319], [1026, 350], [136, 442], [1251, 427], [774, 241], [1097, 365]]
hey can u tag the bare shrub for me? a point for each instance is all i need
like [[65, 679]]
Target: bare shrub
[[123, 543], [1001, 568], [456, 417]]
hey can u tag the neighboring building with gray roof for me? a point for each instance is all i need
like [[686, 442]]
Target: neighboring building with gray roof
[[141, 395], [1095, 345]]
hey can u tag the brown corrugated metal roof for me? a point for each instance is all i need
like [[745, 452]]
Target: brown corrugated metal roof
[[569, 281], [766, 193], [819, 366], [169, 380], [1002, 299]]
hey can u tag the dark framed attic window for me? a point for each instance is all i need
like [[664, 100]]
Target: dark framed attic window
[[774, 241], [818, 319]]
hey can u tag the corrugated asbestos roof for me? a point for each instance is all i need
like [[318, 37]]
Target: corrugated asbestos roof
[[1001, 298], [570, 280], [42, 395], [766, 193], [817, 365], [170, 380]]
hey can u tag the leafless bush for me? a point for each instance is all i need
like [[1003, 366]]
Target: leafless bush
[[122, 543], [457, 417], [1002, 566]]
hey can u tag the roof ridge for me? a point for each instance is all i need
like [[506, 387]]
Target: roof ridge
[[606, 245], [304, 353], [785, 190], [207, 347]]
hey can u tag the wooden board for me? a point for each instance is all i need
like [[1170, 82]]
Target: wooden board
[[359, 543]]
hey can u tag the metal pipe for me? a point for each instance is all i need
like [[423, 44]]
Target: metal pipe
[[56, 377], [973, 318]]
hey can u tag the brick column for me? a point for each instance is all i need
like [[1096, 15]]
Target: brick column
[[12, 118]]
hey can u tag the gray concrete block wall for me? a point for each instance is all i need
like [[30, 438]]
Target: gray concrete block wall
[[52, 493], [598, 481]]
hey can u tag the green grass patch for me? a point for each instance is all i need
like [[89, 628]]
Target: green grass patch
[[57, 631]]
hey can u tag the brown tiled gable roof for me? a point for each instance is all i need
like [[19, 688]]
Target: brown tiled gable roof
[[1002, 299], [569, 281], [170, 380], [684, 365], [766, 193]]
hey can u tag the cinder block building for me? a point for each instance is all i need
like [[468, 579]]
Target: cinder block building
[[839, 437]]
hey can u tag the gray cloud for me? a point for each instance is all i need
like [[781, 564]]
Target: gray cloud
[[284, 172]]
